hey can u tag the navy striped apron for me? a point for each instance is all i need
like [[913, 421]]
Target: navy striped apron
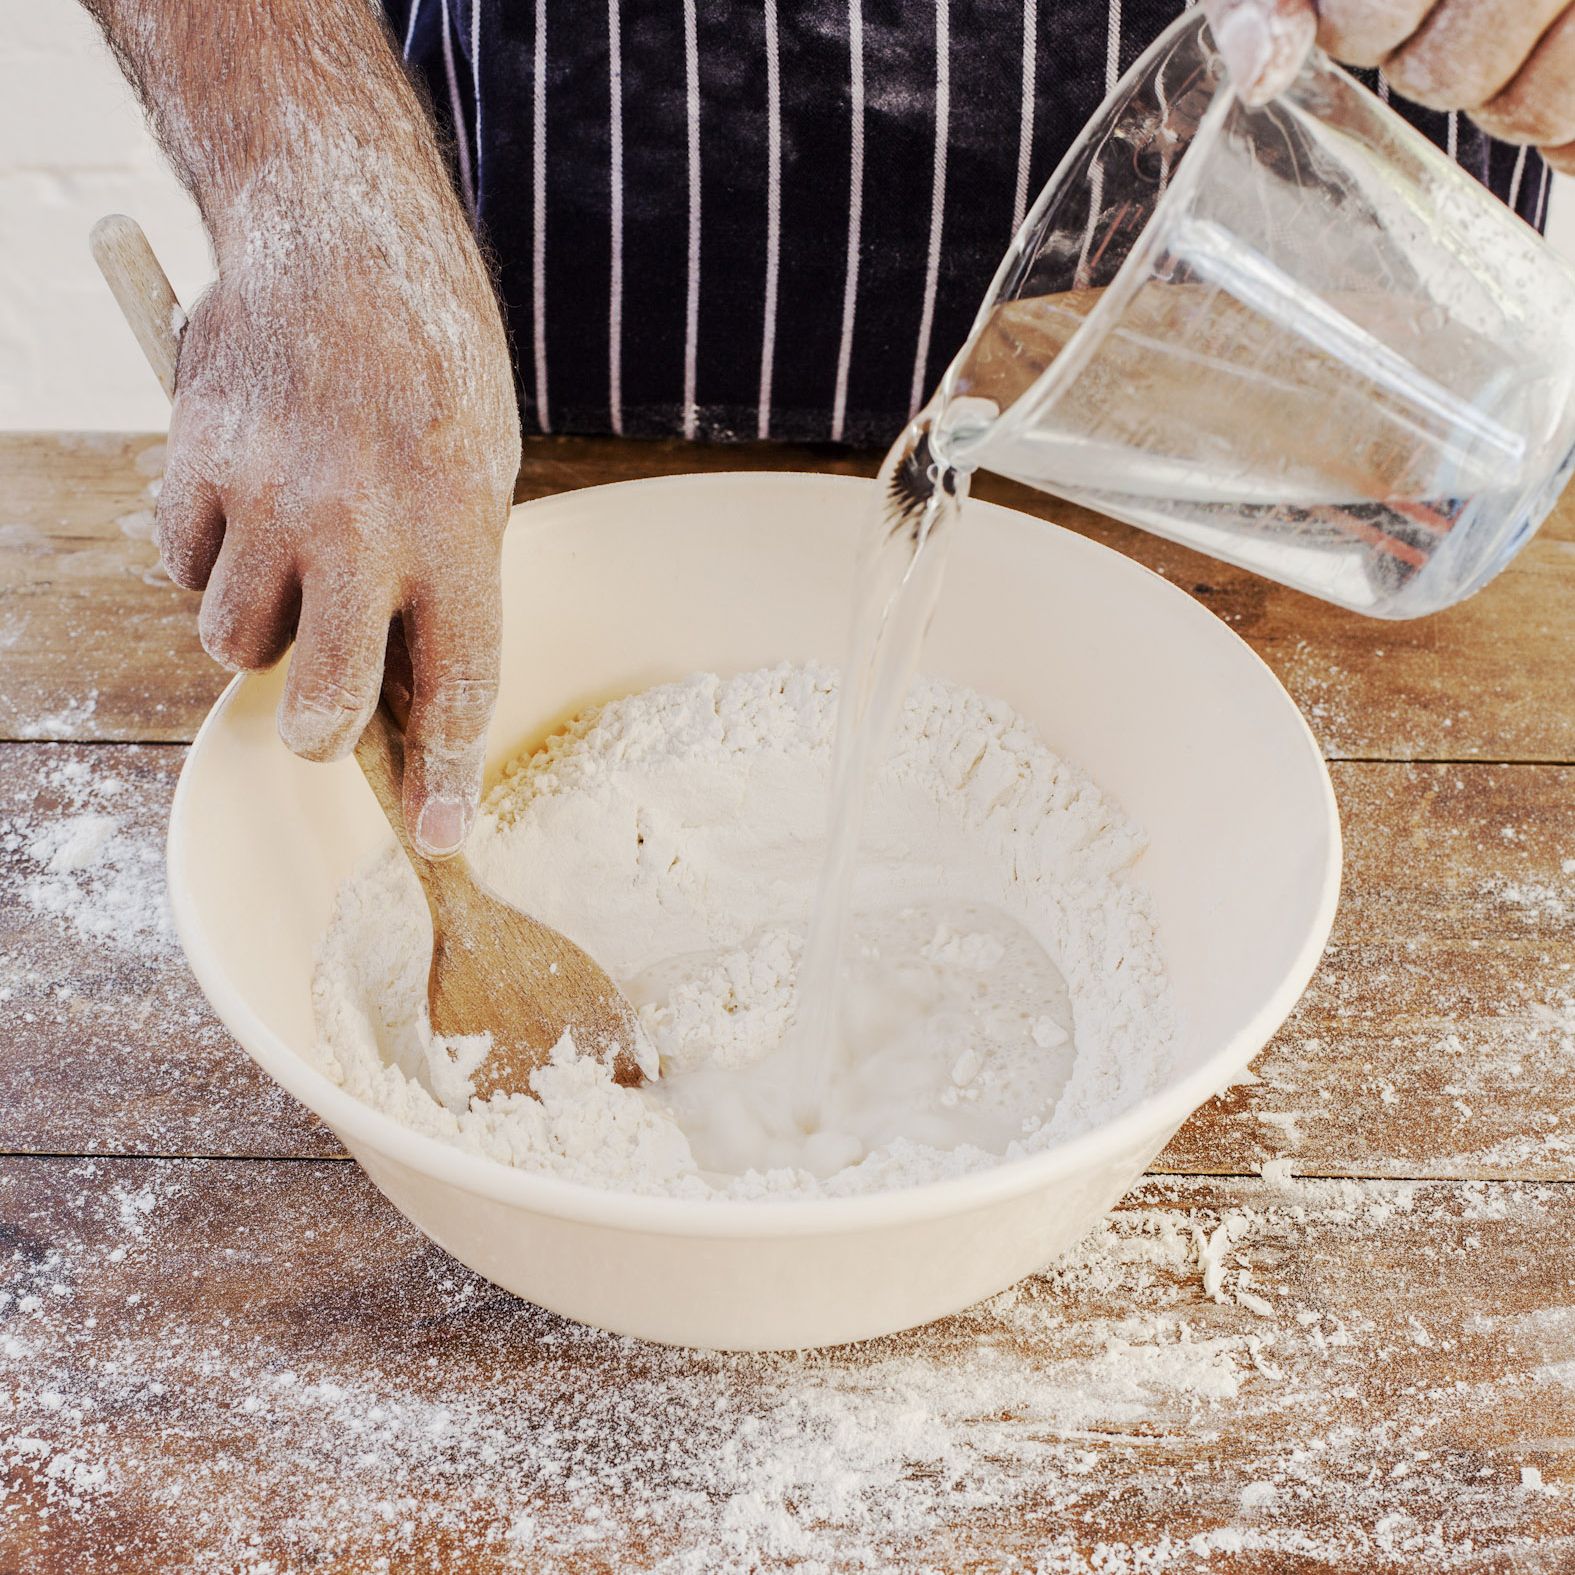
[[774, 218]]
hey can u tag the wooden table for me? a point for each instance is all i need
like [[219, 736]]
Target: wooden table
[[1333, 1331]]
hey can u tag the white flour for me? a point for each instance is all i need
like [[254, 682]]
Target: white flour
[[1005, 990], [382, 1408]]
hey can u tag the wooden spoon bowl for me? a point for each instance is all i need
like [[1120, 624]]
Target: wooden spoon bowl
[[495, 970]]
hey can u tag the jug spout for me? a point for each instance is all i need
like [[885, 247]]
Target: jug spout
[[960, 427]]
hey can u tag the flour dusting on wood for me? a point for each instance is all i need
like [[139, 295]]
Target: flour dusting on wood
[[240, 1369]]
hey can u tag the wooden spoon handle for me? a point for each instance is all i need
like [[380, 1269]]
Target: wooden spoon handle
[[142, 290], [380, 753]]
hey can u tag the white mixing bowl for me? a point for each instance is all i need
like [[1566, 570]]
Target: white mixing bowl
[[613, 589]]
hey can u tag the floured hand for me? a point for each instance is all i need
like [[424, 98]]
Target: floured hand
[[1510, 64], [343, 449], [345, 437]]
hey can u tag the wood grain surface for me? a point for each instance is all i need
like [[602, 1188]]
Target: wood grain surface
[[108, 1044], [99, 645], [231, 1366], [249, 1362], [1436, 1039]]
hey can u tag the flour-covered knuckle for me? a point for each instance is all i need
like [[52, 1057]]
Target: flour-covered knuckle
[[456, 710], [1467, 51], [324, 715], [336, 670], [1562, 158], [188, 519], [249, 608], [1264, 42], [1367, 32], [1538, 106], [454, 684], [188, 528]]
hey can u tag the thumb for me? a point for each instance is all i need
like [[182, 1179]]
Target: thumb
[[1263, 42]]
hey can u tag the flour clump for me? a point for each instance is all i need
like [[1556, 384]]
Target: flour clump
[[1003, 990]]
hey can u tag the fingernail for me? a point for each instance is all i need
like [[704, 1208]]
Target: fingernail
[[442, 826], [1244, 40]]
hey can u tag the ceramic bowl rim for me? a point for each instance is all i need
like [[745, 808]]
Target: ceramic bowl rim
[[366, 1130]]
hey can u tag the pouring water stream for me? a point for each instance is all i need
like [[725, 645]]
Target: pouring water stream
[[898, 584]]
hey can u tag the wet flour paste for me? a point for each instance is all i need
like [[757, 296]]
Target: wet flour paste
[[1003, 988]]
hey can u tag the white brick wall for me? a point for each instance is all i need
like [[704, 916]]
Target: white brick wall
[[72, 147]]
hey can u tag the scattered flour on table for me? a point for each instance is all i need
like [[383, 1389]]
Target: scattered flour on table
[[70, 721], [108, 1037], [91, 865], [1007, 991], [365, 1403]]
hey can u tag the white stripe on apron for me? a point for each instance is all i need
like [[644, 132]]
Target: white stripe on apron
[[850, 281], [467, 184], [1517, 178], [475, 80], [768, 331], [692, 298], [932, 271], [615, 218], [538, 272], [1025, 135]]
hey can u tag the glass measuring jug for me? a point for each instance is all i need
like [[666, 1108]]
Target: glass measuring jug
[[1297, 338]]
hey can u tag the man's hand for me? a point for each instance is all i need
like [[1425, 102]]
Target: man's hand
[[1510, 64], [342, 451], [345, 438]]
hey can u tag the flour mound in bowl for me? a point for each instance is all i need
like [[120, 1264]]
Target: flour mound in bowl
[[1005, 991]]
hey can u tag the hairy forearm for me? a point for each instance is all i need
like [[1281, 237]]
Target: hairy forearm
[[314, 163], [294, 109], [344, 436]]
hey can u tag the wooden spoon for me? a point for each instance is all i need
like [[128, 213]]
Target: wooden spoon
[[494, 969]]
